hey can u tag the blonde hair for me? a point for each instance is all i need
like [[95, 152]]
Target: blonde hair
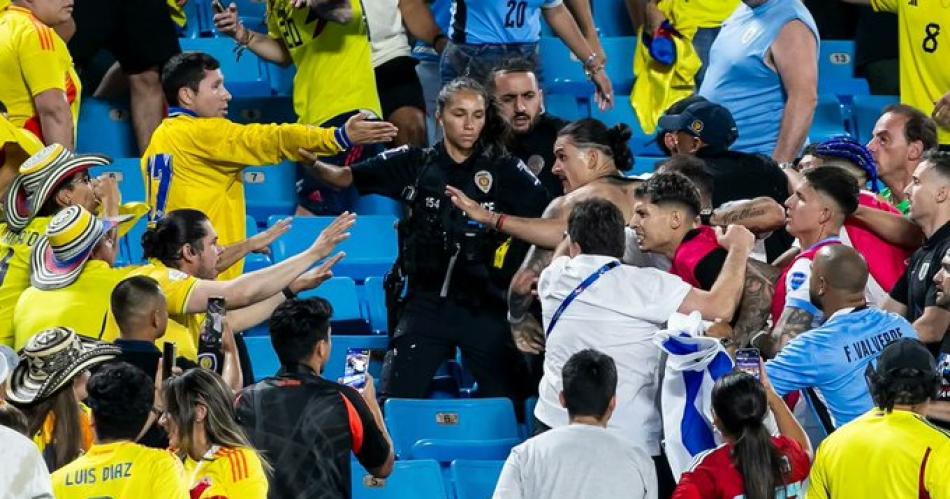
[[182, 395]]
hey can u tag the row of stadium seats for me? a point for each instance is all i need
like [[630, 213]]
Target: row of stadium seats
[[424, 479]]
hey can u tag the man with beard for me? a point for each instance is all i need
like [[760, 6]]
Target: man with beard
[[831, 359], [939, 410], [520, 101]]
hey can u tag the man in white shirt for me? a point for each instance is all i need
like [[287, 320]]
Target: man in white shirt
[[617, 311], [582, 459]]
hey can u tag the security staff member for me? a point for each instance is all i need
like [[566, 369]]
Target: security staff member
[[458, 271]]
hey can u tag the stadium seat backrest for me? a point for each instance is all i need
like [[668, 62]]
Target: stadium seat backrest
[[270, 191], [644, 164], [612, 19], [475, 479], [412, 420], [370, 250], [829, 119], [256, 8], [253, 261], [374, 204], [282, 79], [641, 144], [105, 127], [866, 110], [261, 109], [244, 77], [565, 106], [375, 299], [836, 60], [341, 293], [619, 50], [561, 71], [421, 479], [264, 361]]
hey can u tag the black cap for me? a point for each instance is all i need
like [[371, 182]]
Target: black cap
[[906, 353], [709, 121]]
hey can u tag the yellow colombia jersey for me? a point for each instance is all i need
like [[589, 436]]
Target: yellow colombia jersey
[[15, 270], [35, 59], [887, 456], [230, 474], [122, 469], [924, 34], [45, 435], [83, 305], [196, 163], [687, 15], [177, 287], [334, 65]]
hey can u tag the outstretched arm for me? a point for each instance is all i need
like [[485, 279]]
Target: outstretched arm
[[545, 232], [255, 244], [756, 300]]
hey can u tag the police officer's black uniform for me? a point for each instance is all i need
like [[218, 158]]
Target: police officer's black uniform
[[458, 271]]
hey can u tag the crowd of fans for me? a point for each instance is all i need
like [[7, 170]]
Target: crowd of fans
[[821, 271]]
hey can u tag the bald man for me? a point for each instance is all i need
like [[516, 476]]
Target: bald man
[[829, 361]]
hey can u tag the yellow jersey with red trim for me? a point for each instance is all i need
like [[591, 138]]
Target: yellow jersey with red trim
[[923, 34], [122, 470], [334, 61], [881, 454], [15, 250], [689, 15], [34, 59], [228, 474], [44, 437], [83, 305], [197, 163], [177, 287]]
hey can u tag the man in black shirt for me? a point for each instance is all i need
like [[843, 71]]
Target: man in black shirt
[[520, 101], [915, 294], [307, 426], [939, 409], [707, 130]]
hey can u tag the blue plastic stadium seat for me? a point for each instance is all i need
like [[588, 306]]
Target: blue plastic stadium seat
[[619, 50], [270, 191], [374, 298], [264, 360], [566, 106], [641, 144], [475, 479], [612, 19], [866, 109], [195, 19], [254, 261], [253, 8], [828, 121], [645, 164], [450, 429], [836, 60], [342, 295], [244, 77], [376, 344], [128, 174], [261, 109], [105, 127], [374, 204], [370, 250], [282, 79], [420, 479], [563, 73], [529, 405]]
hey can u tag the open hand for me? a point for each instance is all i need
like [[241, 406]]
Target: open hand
[[228, 23], [334, 234], [361, 130], [472, 209], [314, 278], [261, 242]]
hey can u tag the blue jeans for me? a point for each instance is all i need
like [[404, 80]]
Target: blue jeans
[[428, 71], [702, 43], [477, 61]]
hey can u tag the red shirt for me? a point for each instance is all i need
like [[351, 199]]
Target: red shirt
[[716, 477]]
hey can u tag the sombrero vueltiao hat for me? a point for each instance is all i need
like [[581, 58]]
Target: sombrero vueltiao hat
[[50, 361], [58, 259], [39, 178]]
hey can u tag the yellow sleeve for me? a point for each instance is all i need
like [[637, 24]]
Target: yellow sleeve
[[886, 5], [178, 291], [817, 486], [936, 479], [220, 139], [40, 61], [273, 29], [168, 477], [253, 485]]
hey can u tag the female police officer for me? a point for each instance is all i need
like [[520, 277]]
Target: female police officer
[[458, 271]]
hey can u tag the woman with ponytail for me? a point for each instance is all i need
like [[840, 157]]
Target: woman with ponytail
[[751, 463]]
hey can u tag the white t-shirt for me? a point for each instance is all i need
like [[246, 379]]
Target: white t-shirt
[[387, 36], [617, 315], [577, 461], [23, 473]]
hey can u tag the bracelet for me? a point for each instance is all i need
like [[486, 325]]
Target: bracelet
[[516, 320], [500, 222], [290, 295]]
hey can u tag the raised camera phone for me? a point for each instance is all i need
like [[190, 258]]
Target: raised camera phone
[[747, 361], [209, 342], [169, 359], [357, 363]]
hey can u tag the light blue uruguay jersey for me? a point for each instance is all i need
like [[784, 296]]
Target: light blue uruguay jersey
[[832, 359], [483, 22]]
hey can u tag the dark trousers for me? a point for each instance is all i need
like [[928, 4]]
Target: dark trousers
[[428, 332]]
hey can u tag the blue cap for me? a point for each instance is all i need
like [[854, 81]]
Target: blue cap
[[710, 122]]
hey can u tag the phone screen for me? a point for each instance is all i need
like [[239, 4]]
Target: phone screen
[[209, 343], [747, 361], [168, 359], [357, 363]]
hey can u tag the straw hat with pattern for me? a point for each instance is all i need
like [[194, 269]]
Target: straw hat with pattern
[[50, 361], [58, 259], [39, 178]]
